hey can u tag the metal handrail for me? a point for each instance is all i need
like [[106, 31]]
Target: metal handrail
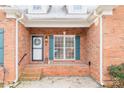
[[22, 58]]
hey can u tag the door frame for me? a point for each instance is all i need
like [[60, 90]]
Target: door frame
[[42, 47]]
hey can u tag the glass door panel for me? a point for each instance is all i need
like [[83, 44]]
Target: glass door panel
[[37, 49]]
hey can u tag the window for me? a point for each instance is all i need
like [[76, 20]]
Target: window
[[64, 47], [77, 7], [37, 7]]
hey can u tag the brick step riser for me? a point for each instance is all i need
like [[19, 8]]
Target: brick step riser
[[53, 68], [55, 71], [30, 73], [30, 78]]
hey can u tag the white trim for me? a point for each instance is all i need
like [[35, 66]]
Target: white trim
[[101, 51], [57, 23], [108, 12], [16, 46], [64, 46], [74, 48], [10, 15]]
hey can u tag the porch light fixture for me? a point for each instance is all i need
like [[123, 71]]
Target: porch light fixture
[[64, 33], [46, 40]]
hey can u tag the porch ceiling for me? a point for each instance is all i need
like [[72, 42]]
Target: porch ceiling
[[57, 16]]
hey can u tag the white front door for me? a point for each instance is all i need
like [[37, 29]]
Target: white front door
[[37, 48]]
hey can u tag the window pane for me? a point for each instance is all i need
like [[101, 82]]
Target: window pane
[[1, 47], [1, 56], [37, 7], [59, 41], [1, 40], [69, 53], [59, 53], [37, 54], [77, 7], [69, 42], [37, 42]]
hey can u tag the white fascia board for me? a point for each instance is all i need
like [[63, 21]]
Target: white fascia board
[[56, 24], [58, 19], [47, 16]]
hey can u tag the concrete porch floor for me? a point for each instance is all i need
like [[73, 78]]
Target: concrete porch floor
[[61, 82]]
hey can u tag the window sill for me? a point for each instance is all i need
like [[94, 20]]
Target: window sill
[[59, 64]]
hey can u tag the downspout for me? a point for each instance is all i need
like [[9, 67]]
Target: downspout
[[16, 61], [101, 47], [101, 51]]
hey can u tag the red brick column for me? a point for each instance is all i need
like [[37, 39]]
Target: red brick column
[[113, 29], [93, 53], [9, 46]]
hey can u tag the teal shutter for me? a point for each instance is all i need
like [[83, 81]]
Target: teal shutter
[[1, 46], [77, 46], [51, 47]]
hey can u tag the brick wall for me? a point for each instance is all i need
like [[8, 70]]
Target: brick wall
[[24, 47], [36, 70], [9, 46], [92, 49], [58, 69], [113, 38], [1, 75], [55, 31], [113, 28]]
